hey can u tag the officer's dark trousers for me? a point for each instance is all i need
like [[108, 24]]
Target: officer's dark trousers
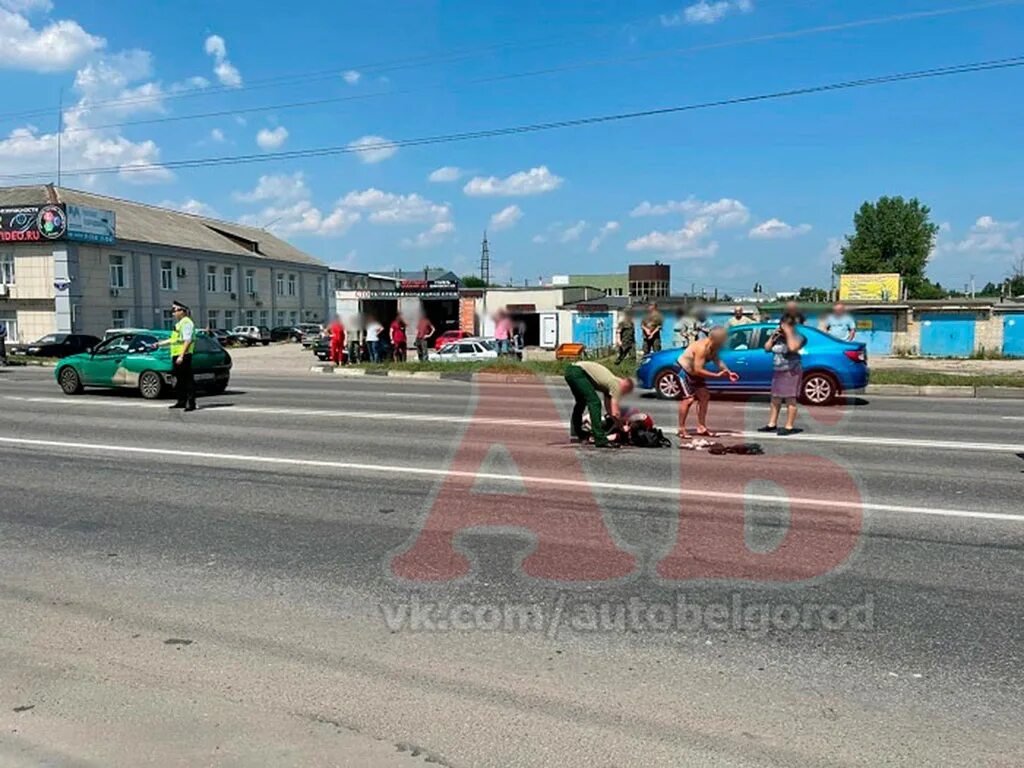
[[185, 384]]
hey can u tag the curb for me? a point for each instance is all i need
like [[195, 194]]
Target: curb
[[899, 390]]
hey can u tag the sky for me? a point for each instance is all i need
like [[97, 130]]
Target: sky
[[753, 192]]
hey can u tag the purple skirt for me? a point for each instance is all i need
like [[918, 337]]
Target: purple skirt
[[787, 383]]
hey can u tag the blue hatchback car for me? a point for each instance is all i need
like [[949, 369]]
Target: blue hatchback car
[[831, 366]]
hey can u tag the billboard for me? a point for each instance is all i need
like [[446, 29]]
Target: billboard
[[879, 287], [38, 223], [32, 223], [90, 225]]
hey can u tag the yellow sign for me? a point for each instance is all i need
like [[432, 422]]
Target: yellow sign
[[881, 287]]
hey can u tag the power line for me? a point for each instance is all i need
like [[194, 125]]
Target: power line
[[377, 68], [574, 66], [936, 72]]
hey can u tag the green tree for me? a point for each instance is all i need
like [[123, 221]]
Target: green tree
[[893, 235], [812, 295], [472, 281]]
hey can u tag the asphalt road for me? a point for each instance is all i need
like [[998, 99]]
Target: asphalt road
[[274, 580]]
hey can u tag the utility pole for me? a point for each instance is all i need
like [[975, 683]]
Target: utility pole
[[485, 262], [60, 130]]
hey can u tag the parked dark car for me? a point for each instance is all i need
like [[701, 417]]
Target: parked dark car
[[59, 345], [285, 333], [322, 350]]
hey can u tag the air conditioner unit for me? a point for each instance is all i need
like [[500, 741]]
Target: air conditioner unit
[[234, 296], [4, 290], [182, 272]]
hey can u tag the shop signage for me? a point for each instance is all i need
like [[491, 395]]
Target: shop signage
[[90, 225], [32, 223], [525, 308]]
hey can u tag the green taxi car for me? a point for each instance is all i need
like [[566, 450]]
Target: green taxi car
[[129, 361]]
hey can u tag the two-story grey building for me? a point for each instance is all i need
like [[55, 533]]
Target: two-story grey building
[[73, 261]]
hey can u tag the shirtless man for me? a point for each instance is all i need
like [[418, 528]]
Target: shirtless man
[[694, 375]]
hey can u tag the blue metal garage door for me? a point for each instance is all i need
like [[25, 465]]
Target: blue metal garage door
[[876, 331], [1013, 335], [947, 334], [596, 330]]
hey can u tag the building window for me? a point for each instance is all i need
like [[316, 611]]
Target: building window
[[6, 269], [250, 317], [117, 273], [168, 320], [280, 284], [229, 280], [264, 317], [320, 287], [281, 318], [293, 316], [10, 322], [213, 319], [166, 276], [250, 282], [229, 319], [292, 283], [211, 279], [120, 318]]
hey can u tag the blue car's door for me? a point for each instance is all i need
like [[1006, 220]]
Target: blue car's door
[[744, 354]]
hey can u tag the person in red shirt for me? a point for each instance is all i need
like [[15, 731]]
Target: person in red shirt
[[424, 330], [336, 331], [398, 339]]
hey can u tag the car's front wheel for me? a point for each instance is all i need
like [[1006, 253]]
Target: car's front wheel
[[151, 385], [819, 389], [69, 380], [667, 385]]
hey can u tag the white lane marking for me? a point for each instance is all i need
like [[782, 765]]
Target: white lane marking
[[1013, 418], [804, 437], [553, 481]]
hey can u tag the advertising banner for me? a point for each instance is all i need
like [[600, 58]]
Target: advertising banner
[[880, 287], [90, 225], [32, 223]]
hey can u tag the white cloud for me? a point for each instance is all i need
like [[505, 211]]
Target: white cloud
[[373, 149], [725, 212], [303, 218], [690, 241], [572, 233], [226, 72], [775, 229], [279, 188], [352, 76], [609, 228], [433, 236], [506, 218], [389, 208], [705, 12], [217, 135], [447, 173], [105, 79], [989, 238], [272, 139], [535, 181], [191, 205], [52, 47]]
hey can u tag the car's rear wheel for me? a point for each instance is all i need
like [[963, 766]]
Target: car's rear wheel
[[266, 343], [667, 385], [151, 385], [69, 380], [819, 388], [219, 388]]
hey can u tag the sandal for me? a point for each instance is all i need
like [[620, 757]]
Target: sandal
[[768, 428]]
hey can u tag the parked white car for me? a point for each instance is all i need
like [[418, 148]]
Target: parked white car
[[466, 350]]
